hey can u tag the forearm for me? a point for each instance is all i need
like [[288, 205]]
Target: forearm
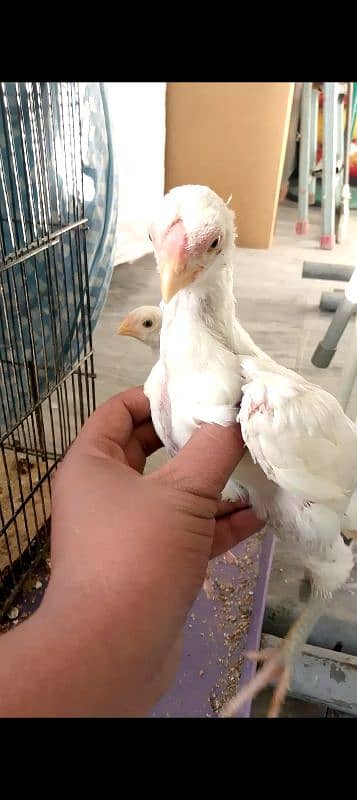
[[70, 666], [98, 650], [129, 555]]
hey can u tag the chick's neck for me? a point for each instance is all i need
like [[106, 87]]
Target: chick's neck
[[208, 303]]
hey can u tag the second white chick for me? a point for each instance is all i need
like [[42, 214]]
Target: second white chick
[[144, 323]]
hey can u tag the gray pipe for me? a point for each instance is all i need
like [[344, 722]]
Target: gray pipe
[[326, 349], [329, 301], [326, 272]]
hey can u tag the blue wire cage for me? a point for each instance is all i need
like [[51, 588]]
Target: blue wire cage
[[58, 216]]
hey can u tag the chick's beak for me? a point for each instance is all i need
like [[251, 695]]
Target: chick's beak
[[126, 327], [173, 258], [172, 279]]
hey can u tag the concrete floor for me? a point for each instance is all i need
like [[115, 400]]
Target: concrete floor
[[280, 310]]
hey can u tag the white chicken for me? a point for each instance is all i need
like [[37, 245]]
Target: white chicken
[[300, 468], [144, 323]]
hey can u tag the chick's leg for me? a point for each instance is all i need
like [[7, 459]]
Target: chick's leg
[[233, 491], [278, 662]]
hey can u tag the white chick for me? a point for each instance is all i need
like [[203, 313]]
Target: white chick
[[143, 323]]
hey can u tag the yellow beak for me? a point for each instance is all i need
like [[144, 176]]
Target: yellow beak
[[173, 279], [125, 328]]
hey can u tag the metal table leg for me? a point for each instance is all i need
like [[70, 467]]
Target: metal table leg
[[326, 349], [330, 137], [302, 224], [349, 373], [313, 143], [343, 211]]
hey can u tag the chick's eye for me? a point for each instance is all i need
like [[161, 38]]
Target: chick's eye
[[214, 244], [150, 237], [147, 323]]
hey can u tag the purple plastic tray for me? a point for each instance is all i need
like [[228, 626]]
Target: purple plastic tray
[[218, 631], [211, 648]]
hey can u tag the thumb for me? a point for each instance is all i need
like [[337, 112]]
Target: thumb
[[206, 462]]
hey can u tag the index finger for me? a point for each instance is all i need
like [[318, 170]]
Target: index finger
[[205, 463]]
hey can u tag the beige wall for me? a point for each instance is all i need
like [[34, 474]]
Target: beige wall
[[231, 136]]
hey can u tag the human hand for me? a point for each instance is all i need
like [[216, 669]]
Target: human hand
[[130, 552]]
